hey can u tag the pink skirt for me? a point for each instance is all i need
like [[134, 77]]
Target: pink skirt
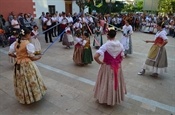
[[104, 90]]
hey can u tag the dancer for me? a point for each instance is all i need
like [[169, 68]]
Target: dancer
[[110, 86], [87, 57], [35, 41], [98, 40], [28, 83], [78, 50], [126, 38], [157, 57], [68, 38]]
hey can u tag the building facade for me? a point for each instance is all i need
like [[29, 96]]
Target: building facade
[[36, 7]]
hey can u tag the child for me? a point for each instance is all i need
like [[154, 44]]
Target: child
[[78, 50], [98, 41], [68, 38], [28, 83], [126, 38], [87, 57], [12, 39], [35, 41]]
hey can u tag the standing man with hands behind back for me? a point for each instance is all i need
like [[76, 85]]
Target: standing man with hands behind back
[[47, 25]]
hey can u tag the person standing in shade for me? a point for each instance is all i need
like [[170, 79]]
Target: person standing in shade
[[110, 86], [98, 40], [157, 56], [28, 84], [126, 38], [47, 25]]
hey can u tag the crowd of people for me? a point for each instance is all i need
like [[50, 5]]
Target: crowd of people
[[75, 31]]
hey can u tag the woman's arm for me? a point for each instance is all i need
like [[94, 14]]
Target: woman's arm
[[12, 55], [148, 41], [96, 58], [35, 58]]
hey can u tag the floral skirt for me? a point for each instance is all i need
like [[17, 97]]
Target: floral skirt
[[104, 90], [28, 83]]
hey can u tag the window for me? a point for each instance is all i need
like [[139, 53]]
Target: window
[[51, 9]]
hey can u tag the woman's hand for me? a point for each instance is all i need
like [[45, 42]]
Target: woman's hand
[[12, 55], [96, 57], [36, 57]]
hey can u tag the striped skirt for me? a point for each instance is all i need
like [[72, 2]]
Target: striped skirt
[[104, 90]]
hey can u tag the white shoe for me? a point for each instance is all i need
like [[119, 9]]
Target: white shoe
[[142, 72]]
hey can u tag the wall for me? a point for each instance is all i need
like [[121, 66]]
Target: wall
[[24, 6], [42, 6]]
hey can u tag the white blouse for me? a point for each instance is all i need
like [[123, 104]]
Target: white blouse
[[161, 34], [30, 48], [79, 40], [127, 28], [113, 47]]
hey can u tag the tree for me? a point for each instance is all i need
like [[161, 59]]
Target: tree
[[166, 6], [82, 4], [137, 6]]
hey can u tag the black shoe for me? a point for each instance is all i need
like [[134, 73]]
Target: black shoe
[[154, 75], [51, 41]]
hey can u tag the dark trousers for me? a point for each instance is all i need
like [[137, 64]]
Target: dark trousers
[[50, 34], [54, 29]]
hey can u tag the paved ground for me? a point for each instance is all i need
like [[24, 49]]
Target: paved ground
[[70, 87]]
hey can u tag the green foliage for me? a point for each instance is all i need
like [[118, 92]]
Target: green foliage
[[104, 7], [138, 6], [167, 6]]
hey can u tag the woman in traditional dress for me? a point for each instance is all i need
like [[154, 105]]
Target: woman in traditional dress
[[87, 57], [126, 38], [68, 38], [35, 41], [110, 86], [157, 57], [28, 83], [98, 40], [78, 49]]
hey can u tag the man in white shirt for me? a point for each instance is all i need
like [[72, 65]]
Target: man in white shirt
[[15, 24], [48, 23]]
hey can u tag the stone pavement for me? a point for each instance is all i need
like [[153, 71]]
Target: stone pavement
[[70, 87]]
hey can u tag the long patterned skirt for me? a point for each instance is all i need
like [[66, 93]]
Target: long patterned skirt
[[28, 83], [104, 90]]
